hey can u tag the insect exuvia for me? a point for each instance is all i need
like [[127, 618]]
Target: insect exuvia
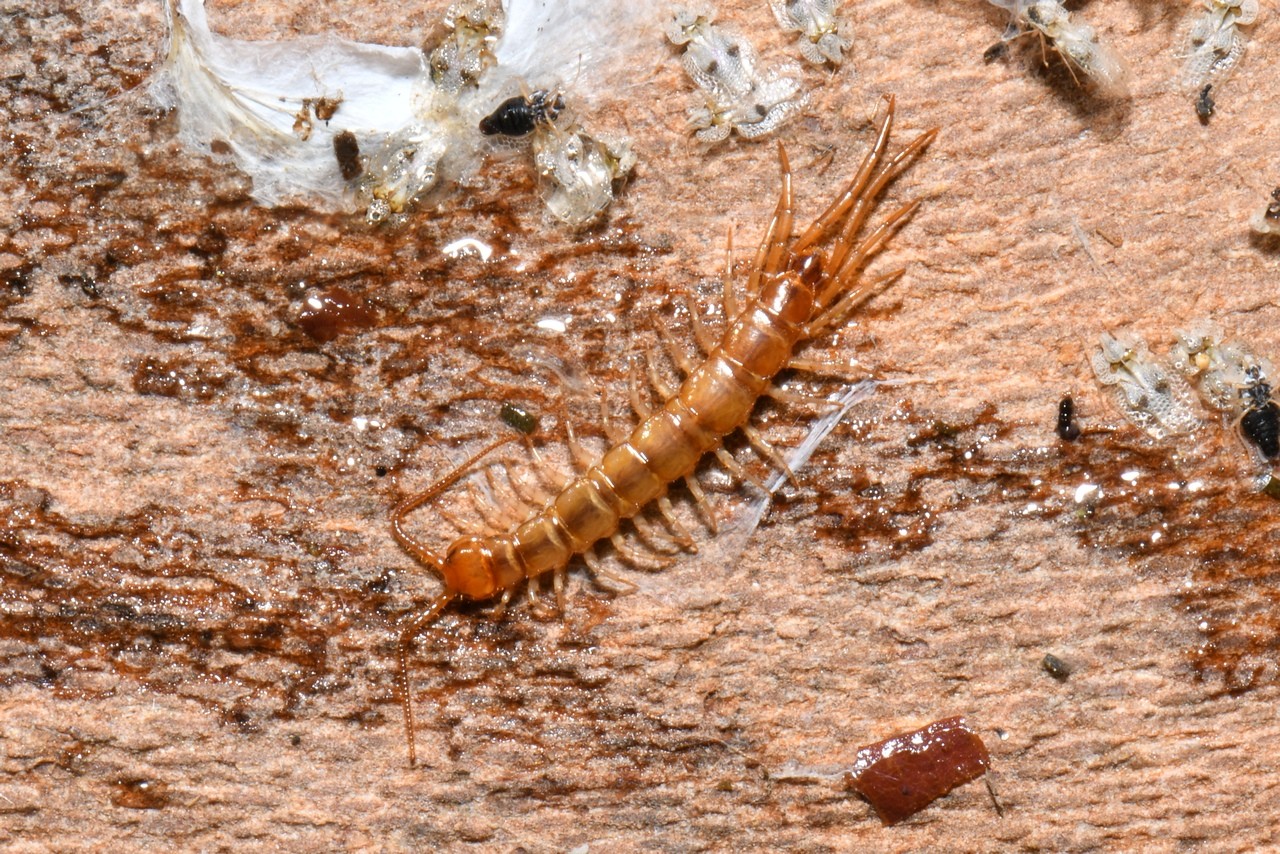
[[795, 292], [1077, 43], [519, 115], [1147, 394], [815, 20], [1216, 43]]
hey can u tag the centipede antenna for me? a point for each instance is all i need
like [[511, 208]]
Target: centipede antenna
[[413, 502], [407, 635]]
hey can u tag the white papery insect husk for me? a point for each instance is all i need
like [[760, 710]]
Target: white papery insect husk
[[249, 95], [1216, 44], [1151, 397]]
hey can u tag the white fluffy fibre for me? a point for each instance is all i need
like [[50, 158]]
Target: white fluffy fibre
[[587, 47], [260, 97], [250, 95]]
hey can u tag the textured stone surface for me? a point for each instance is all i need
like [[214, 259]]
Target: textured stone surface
[[200, 593]]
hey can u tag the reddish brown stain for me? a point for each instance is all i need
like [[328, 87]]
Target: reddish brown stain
[[141, 794], [335, 311], [903, 774]]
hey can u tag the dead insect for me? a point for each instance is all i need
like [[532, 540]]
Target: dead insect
[[1204, 104], [520, 419], [1260, 422], [520, 115], [347, 151], [1067, 427], [1267, 220]]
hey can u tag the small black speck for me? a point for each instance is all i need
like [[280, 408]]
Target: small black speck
[[380, 471]]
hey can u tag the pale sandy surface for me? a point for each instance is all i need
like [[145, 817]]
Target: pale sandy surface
[[200, 591]]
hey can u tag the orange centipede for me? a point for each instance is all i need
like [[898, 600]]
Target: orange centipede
[[793, 293]]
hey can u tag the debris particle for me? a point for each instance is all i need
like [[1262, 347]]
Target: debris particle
[[1267, 220], [1204, 104], [1055, 667], [518, 418], [347, 150], [1067, 428], [904, 774]]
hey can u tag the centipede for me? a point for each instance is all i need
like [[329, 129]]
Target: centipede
[[794, 291]]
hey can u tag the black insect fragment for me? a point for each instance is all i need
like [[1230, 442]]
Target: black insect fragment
[[521, 419], [1261, 420], [1204, 104], [347, 150], [519, 116], [1067, 427], [1055, 667], [1273, 209]]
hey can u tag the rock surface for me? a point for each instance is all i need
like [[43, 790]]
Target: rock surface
[[209, 408]]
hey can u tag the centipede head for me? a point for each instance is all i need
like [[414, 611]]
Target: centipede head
[[468, 569]]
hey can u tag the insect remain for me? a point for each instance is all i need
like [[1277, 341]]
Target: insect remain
[[520, 115], [795, 293]]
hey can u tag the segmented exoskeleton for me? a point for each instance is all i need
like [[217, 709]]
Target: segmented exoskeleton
[[794, 292]]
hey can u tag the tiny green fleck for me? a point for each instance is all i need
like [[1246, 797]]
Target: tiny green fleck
[[518, 418]]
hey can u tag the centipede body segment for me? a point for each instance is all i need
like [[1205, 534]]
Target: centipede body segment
[[794, 291]]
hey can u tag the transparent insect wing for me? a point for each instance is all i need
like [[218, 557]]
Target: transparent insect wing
[[1148, 395], [685, 22], [815, 20], [578, 172], [720, 62], [770, 106]]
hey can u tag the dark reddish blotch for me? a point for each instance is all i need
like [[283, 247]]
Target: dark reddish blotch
[[904, 774]]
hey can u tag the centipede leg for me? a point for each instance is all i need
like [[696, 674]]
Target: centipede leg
[[658, 540], [766, 450], [676, 353], [853, 190], [678, 530], [727, 300], [737, 471], [792, 398], [501, 608], [615, 434], [705, 507], [701, 334], [635, 558], [407, 636], [582, 458], [638, 404], [660, 386], [557, 584], [592, 560], [773, 248]]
